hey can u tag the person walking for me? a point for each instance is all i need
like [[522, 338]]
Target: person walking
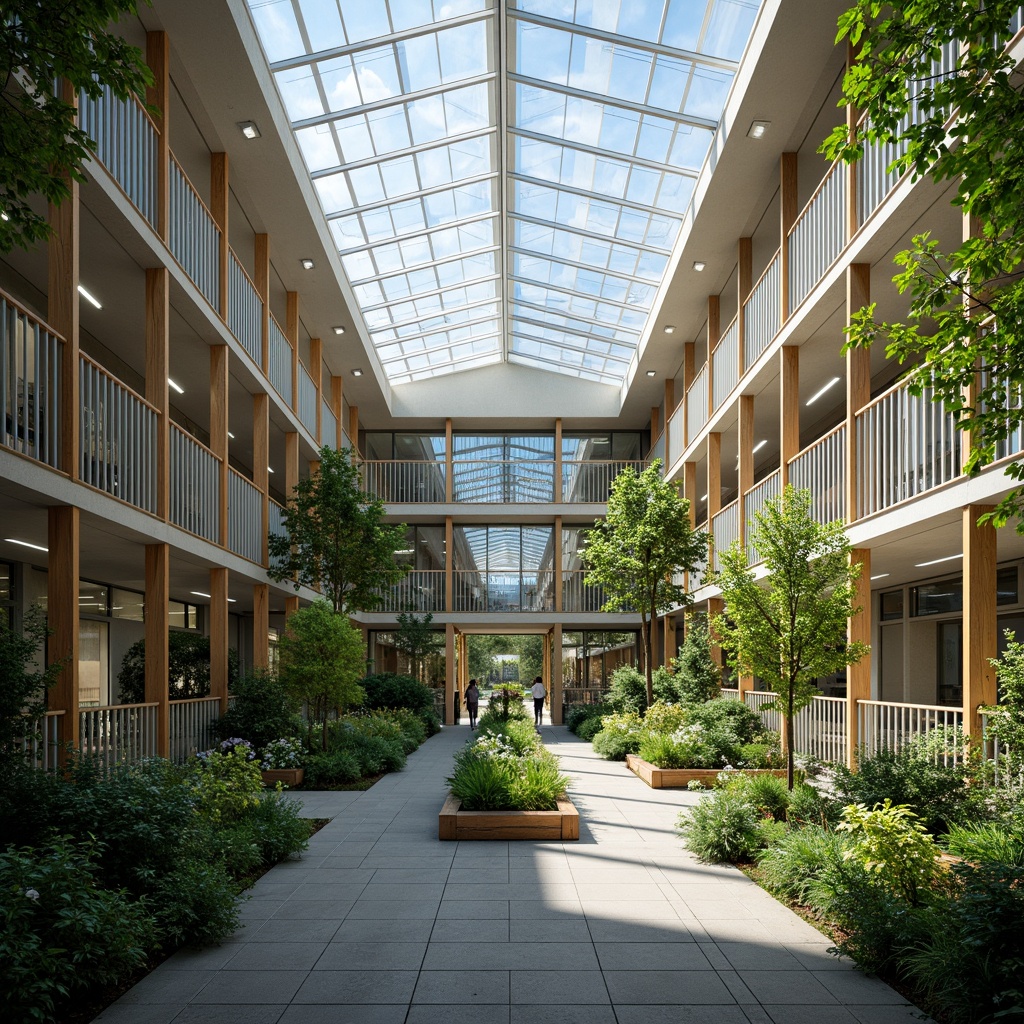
[[472, 702], [539, 693]]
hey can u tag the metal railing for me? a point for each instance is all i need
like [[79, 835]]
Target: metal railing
[[821, 469], [725, 363], [658, 451], [245, 310], [420, 590], [888, 725], [191, 726], [280, 361], [762, 312], [818, 235], [328, 425], [753, 501], [996, 753], [1011, 399], [30, 360], [245, 517], [123, 732], [577, 596], [405, 481], [729, 693], [583, 695], [193, 235], [725, 530], [117, 442], [819, 730], [591, 482], [306, 404], [906, 445], [194, 497], [475, 591], [41, 744], [508, 482], [697, 404], [677, 439], [275, 527]]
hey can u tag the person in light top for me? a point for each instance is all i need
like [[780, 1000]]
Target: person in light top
[[539, 693]]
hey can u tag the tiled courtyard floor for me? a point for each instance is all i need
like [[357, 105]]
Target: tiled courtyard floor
[[380, 923]]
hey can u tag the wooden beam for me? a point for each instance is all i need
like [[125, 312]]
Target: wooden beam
[[787, 218], [555, 689], [62, 616], [655, 422], [219, 644], [291, 606], [789, 408], [158, 368], [858, 677], [261, 279], [449, 562], [158, 622], [714, 475], [220, 358], [449, 674], [669, 639], [353, 428], [858, 381], [980, 624], [449, 458], [291, 462], [559, 491], [158, 57], [337, 405], [260, 625], [219, 206], [557, 564]]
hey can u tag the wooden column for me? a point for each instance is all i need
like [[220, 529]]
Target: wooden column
[[219, 205], [669, 639], [716, 606], [555, 689], [655, 422], [690, 489], [337, 406], [261, 279], [556, 563], [559, 490], [219, 440], [261, 459], [714, 475], [744, 282], [219, 636], [158, 95], [714, 337], [449, 565], [980, 628], [291, 606], [449, 674], [316, 370], [158, 622], [353, 428], [291, 462], [158, 343], [62, 616], [292, 333], [789, 408], [260, 625], [545, 669], [788, 212], [858, 677], [858, 381], [449, 482]]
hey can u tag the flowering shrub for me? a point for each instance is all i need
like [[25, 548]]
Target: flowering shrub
[[227, 785], [282, 753], [619, 735], [228, 746]]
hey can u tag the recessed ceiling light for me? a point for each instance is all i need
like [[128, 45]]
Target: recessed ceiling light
[[699, 265], [760, 444], [669, 330], [270, 469], [232, 436], [935, 561], [817, 394], [880, 576], [652, 373], [198, 593], [307, 263], [25, 544], [89, 297], [177, 387], [339, 329], [232, 600], [757, 129], [357, 373], [249, 129], [703, 497]]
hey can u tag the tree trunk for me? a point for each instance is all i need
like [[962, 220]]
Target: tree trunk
[[788, 726], [645, 633]]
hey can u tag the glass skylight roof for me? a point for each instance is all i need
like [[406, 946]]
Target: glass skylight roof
[[519, 205]]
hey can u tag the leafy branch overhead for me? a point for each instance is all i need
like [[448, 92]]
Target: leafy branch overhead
[[966, 291]]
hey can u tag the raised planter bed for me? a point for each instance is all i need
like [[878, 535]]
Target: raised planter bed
[[680, 778], [563, 824], [289, 776]]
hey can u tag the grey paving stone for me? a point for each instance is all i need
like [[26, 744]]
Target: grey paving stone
[[309, 910], [462, 986], [780, 987], [276, 956], [549, 931], [458, 1013], [507, 956], [638, 956], [669, 930], [211, 959], [567, 987], [251, 1013], [856, 988], [894, 1014], [172, 987], [809, 1014], [296, 929], [231, 988], [392, 876], [345, 988], [137, 1013], [681, 988], [469, 910], [334, 1013], [472, 930], [545, 910], [393, 910], [401, 891], [753, 956], [591, 1013], [815, 956], [372, 956], [681, 1014], [384, 930]]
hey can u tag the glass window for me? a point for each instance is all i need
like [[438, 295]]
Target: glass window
[[1007, 585], [92, 598], [938, 598], [182, 616], [127, 604], [6, 582], [892, 605], [93, 668]]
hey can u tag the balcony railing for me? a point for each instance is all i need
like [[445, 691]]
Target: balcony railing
[[245, 517], [658, 450], [819, 730], [194, 486], [503, 481], [725, 530], [697, 404], [280, 362], [503, 591], [1009, 398], [762, 314], [193, 235], [907, 444], [124, 732], [753, 501], [725, 363], [676, 436], [405, 481], [821, 469], [30, 359], [191, 726], [591, 482], [328, 425], [818, 236], [307, 400], [245, 310], [117, 437], [126, 145], [40, 743], [891, 726], [276, 526], [421, 590], [577, 596]]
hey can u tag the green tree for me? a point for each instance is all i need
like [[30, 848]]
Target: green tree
[[1006, 719], [41, 149], [322, 657], [417, 639], [644, 541], [953, 284], [335, 536], [698, 675], [789, 628], [188, 668]]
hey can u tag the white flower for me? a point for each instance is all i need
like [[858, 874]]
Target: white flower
[[32, 894]]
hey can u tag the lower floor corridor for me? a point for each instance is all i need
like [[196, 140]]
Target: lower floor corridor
[[381, 923]]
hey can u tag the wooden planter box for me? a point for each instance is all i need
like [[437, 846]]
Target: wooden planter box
[[559, 825], [679, 778], [289, 776]]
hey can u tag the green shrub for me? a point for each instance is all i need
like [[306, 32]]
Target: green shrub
[[768, 795], [619, 736], [760, 755], [698, 675], [481, 785], [188, 668], [506, 702], [663, 751], [723, 827], [261, 711], [331, 768], [807, 806], [584, 716], [799, 856], [589, 728], [226, 785], [278, 828], [195, 903], [627, 693], [665, 718], [729, 714], [520, 734], [390, 691], [62, 931], [987, 842], [536, 784]]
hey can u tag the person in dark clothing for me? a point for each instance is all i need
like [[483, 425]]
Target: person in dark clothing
[[539, 693], [472, 702]]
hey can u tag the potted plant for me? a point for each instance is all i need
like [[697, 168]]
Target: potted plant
[[282, 762]]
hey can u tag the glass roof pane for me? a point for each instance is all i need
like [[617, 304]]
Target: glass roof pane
[[613, 105]]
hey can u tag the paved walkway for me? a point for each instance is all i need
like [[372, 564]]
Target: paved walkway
[[380, 923]]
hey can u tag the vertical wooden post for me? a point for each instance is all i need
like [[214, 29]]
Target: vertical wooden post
[[714, 475], [449, 482], [260, 625], [556, 563], [559, 494], [316, 369], [261, 280], [449, 674], [219, 206], [337, 405], [292, 333], [669, 638], [690, 489], [714, 337], [291, 606], [555, 689], [449, 565], [261, 460], [789, 408], [746, 476], [744, 282], [158, 341], [219, 440], [858, 677], [788, 212], [158, 95], [716, 606], [858, 383], [291, 462], [157, 662], [655, 422], [62, 616], [219, 636], [353, 428], [980, 628]]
